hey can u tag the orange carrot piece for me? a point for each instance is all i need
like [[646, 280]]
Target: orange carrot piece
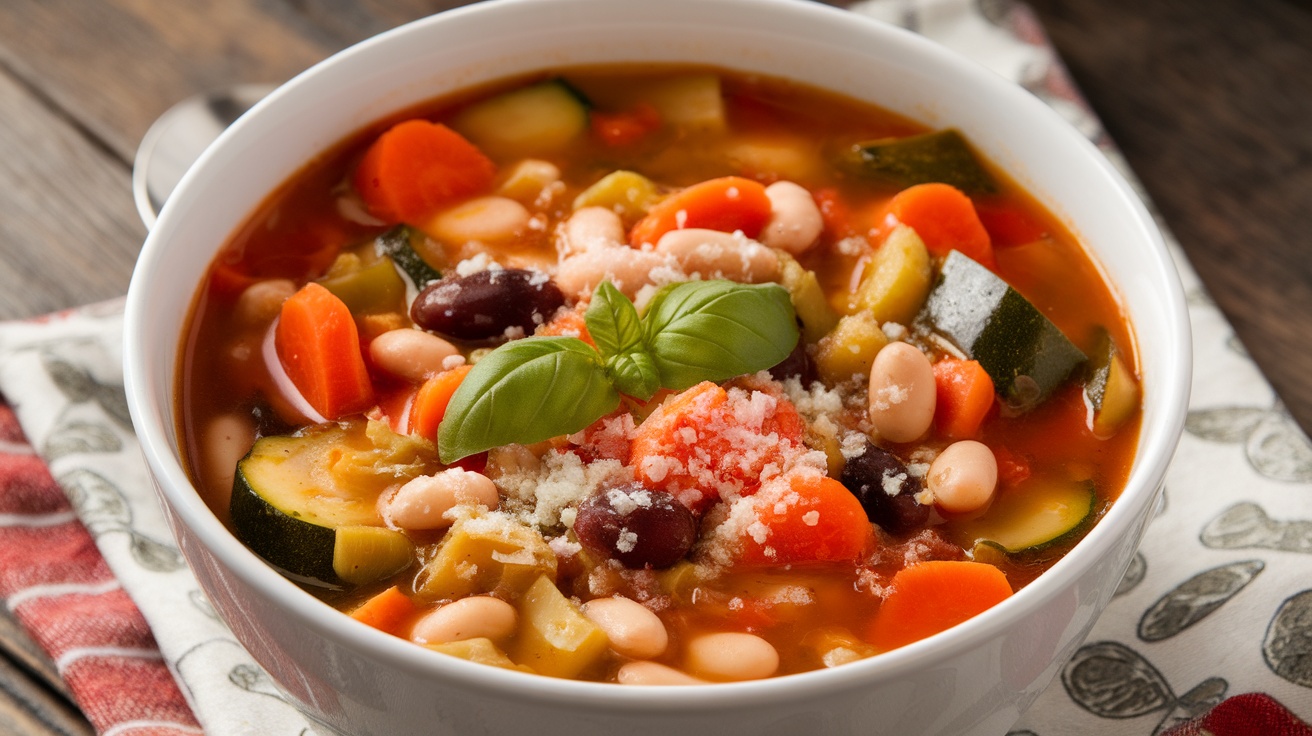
[[944, 217], [964, 396], [386, 611], [570, 323], [416, 167], [693, 444], [430, 403], [727, 204], [816, 519], [626, 127], [934, 596], [319, 348]]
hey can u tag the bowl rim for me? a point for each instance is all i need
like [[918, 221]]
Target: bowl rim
[[177, 492]]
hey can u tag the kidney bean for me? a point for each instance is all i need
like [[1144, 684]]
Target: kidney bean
[[487, 304], [886, 489], [902, 393], [637, 526]]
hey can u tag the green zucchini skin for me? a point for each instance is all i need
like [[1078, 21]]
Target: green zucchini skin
[[299, 549], [938, 156], [1026, 355], [398, 244]]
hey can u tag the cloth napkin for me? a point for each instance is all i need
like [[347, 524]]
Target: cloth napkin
[[1210, 631]]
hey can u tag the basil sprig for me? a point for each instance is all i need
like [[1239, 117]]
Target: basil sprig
[[536, 388]]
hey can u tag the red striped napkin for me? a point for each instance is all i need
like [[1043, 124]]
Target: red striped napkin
[[58, 587]]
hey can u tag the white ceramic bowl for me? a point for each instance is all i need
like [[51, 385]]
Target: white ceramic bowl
[[976, 678]]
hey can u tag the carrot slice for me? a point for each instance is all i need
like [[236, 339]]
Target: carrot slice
[[416, 167], [386, 611], [319, 348], [934, 596], [964, 397], [626, 127], [695, 443], [813, 519], [430, 403], [945, 218], [728, 204]]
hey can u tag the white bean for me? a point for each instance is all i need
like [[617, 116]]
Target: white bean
[[795, 222], [715, 254], [479, 616], [902, 394], [485, 219], [410, 354], [589, 228], [226, 440], [731, 656], [963, 477], [261, 301], [423, 502], [629, 269], [634, 631], [654, 673]]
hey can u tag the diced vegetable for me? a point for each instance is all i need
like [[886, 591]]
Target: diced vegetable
[[399, 244], [486, 554], [693, 101], [366, 286], [429, 407], [528, 179], [1111, 388], [1032, 516], [481, 650], [896, 279], [945, 220], [727, 204], [293, 494], [814, 518], [964, 396], [628, 194], [939, 156], [930, 597], [386, 611], [319, 348], [543, 118], [416, 168], [809, 301], [1025, 354], [850, 349], [363, 554], [626, 127], [555, 638]]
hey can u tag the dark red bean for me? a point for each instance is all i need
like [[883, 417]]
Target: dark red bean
[[798, 364], [637, 526], [871, 475], [486, 304]]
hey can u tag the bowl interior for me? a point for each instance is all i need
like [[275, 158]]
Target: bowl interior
[[804, 42]]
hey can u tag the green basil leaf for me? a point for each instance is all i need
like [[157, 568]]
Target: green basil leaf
[[613, 321], [635, 373], [715, 330], [526, 391]]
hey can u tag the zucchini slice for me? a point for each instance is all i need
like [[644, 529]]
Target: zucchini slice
[[1033, 516], [939, 156], [1110, 387], [398, 244], [294, 495], [538, 119], [1025, 354]]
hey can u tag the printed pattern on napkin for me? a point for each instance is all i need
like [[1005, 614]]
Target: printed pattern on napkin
[[56, 584], [1217, 603], [63, 376]]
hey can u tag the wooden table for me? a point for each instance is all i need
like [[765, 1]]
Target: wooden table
[[1211, 101]]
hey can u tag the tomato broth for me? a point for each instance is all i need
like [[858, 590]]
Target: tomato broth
[[750, 358]]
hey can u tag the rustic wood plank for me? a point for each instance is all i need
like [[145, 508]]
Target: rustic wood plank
[[1211, 102], [28, 708], [25, 654]]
